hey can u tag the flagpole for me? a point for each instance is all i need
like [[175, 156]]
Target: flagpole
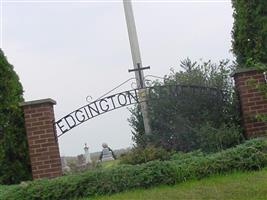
[[137, 62]]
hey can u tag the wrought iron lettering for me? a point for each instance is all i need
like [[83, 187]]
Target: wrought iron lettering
[[106, 105], [127, 98], [80, 115], [96, 108], [124, 100]]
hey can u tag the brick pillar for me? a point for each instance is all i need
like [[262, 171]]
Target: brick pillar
[[252, 101], [42, 140]]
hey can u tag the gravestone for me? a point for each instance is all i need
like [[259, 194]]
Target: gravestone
[[80, 160], [106, 153], [87, 154], [64, 164]]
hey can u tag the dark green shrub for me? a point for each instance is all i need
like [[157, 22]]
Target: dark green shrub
[[211, 139], [174, 118], [249, 156], [181, 156], [14, 159], [249, 32], [140, 155]]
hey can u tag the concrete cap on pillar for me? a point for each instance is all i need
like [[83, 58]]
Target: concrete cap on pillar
[[244, 70], [36, 102]]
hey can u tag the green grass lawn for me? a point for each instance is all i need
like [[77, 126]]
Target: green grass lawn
[[110, 163], [236, 186]]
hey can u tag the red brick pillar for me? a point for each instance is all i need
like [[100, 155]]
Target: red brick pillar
[[42, 140], [252, 101]]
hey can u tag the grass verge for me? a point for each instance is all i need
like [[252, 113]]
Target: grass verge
[[235, 186], [251, 155]]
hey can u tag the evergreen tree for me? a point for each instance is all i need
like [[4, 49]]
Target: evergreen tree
[[193, 118], [14, 160], [249, 33]]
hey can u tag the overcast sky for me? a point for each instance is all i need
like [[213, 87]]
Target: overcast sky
[[67, 51]]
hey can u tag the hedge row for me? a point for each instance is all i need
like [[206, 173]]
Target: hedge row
[[248, 156]]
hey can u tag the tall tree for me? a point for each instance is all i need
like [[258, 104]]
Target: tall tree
[[249, 32], [194, 115], [14, 160]]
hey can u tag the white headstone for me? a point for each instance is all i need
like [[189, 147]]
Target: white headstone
[[87, 154]]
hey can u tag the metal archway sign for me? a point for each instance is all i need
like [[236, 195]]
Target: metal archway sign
[[126, 98]]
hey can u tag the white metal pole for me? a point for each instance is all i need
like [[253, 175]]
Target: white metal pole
[[136, 56]]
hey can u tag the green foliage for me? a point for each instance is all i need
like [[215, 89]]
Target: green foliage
[[249, 32], [212, 139], [140, 155], [249, 35], [249, 156], [234, 186], [175, 118], [14, 162], [187, 156]]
